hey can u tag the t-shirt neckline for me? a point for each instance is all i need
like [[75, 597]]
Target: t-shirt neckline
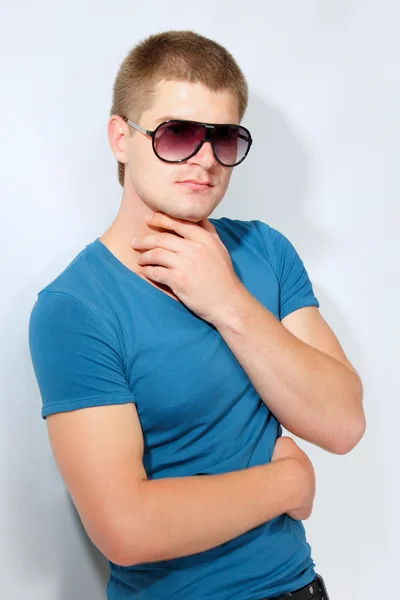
[[126, 271]]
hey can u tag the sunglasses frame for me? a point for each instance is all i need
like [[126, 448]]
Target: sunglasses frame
[[208, 138]]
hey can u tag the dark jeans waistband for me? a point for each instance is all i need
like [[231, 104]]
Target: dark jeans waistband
[[313, 590]]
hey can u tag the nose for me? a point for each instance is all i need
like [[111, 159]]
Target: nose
[[204, 156]]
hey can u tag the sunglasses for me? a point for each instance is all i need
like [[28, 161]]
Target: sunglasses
[[175, 141]]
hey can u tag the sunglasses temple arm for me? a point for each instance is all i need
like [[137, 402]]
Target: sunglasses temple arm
[[145, 131]]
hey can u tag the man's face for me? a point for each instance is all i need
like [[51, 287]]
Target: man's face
[[159, 184]]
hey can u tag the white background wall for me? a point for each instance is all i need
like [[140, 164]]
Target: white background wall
[[324, 112]]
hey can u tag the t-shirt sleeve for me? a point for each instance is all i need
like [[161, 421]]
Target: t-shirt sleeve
[[296, 289], [75, 356]]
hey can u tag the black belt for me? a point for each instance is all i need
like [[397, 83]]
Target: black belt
[[315, 589]]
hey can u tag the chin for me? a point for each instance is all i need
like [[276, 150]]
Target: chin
[[188, 213]]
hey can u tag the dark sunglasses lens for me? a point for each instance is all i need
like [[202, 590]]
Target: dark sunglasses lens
[[231, 143], [177, 140]]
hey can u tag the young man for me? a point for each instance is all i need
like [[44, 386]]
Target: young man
[[166, 364]]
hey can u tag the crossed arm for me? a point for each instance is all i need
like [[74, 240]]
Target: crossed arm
[[299, 369]]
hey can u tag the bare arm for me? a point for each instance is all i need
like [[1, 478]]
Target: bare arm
[[99, 453], [304, 377], [185, 515]]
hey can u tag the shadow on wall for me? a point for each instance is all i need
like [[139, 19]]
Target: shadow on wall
[[274, 184]]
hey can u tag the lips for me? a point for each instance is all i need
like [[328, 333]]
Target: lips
[[197, 181], [193, 185]]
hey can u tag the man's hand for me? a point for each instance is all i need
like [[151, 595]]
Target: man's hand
[[286, 447], [195, 264]]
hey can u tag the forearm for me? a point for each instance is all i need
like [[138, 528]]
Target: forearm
[[313, 395], [186, 515]]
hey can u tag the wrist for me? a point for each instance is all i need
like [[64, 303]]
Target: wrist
[[229, 315], [289, 481]]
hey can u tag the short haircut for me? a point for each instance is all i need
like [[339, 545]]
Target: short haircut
[[176, 56]]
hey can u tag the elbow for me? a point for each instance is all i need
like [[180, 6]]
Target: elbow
[[121, 559], [123, 552], [345, 443], [122, 539], [126, 544], [133, 543], [353, 429], [135, 552], [114, 548]]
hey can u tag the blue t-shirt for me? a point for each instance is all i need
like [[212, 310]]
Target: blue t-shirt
[[100, 334]]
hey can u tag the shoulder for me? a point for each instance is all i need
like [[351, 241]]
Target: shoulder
[[273, 243], [78, 293], [74, 275]]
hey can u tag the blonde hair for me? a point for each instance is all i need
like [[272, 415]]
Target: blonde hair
[[173, 55]]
